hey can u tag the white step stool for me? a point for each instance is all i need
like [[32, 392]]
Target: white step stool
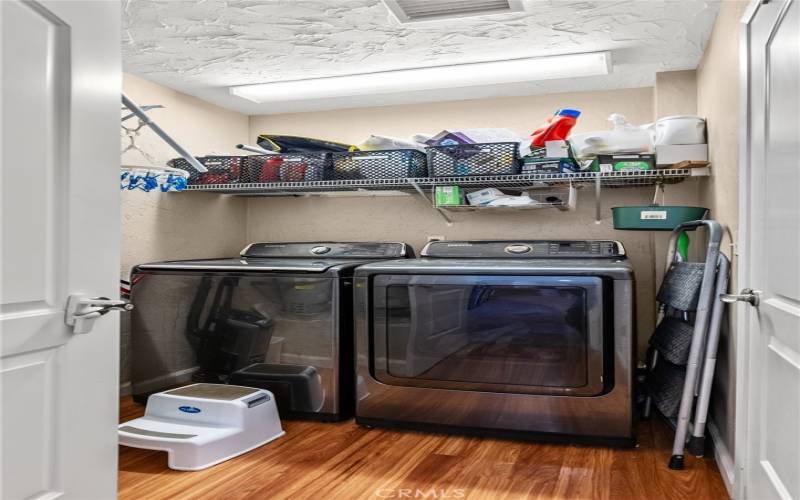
[[202, 425]]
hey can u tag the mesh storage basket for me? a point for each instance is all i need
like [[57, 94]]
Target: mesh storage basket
[[221, 169], [498, 158], [304, 167], [391, 164]]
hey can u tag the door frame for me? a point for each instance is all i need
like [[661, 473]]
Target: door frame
[[743, 312]]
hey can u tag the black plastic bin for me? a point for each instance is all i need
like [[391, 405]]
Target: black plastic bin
[[303, 167], [221, 169], [390, 164], [497, 158]]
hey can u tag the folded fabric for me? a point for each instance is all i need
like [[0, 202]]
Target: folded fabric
[[383, 143], [421, 138], [446, 138]]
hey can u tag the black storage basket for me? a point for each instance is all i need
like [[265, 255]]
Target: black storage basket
[[305, 167], [497, 158], [390, 164], [221, 169]]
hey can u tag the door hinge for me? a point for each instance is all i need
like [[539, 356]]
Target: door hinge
[[81, 311]]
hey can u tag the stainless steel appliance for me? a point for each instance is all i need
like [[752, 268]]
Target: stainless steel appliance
[[277, 317], [528, 339]]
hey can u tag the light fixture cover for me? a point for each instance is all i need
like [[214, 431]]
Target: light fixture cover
[[409, 11], [431, 78]]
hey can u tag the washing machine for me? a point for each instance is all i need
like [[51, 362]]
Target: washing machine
[[278, 317], [521, 339]]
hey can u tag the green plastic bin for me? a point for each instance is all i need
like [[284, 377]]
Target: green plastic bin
[[655, 217]]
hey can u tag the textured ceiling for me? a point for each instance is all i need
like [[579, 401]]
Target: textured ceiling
[[203, 47]]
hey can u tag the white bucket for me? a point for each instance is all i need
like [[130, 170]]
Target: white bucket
[[680, 130]]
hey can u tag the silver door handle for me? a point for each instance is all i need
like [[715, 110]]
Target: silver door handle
[[104, 304], [81, 311], [746, 295]]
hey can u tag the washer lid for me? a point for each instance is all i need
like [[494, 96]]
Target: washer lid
[[251, 265]]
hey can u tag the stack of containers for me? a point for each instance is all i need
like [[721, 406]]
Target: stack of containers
[[680, 138]]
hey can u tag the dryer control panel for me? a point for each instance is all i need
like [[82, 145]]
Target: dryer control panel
[[535, 249]]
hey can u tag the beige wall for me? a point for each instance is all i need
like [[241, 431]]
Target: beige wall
[[157, 226], [411, 220], [719, 102], [675, 93]]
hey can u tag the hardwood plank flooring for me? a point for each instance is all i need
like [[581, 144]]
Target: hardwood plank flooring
[[346, 461]]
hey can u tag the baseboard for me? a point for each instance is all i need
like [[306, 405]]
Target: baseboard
[[722, 455], [155, 384], [158, 383]]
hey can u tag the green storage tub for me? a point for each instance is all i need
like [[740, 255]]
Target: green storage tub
[[654, 217]]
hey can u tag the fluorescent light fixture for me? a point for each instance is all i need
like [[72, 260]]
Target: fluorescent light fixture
[[437, 77]]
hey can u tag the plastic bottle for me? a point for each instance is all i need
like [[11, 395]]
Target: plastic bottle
[[557, 127], [270, 170]]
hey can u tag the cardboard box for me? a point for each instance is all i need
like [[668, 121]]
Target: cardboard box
[[484, 196], [549, 165], [675, 153], [618, 163], [556, 149], [449, 195]]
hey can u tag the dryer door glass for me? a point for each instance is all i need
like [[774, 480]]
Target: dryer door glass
[[526, 334]]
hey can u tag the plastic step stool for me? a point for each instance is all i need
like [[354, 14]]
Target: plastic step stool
[[298, 387], [202, 425]]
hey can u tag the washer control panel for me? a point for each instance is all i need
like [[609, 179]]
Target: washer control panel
[[525, 249], [327, 250]]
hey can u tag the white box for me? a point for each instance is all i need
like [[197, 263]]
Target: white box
[[484, 196], [556, 149], [669, 154]]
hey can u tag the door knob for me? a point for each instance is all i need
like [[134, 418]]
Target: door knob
[[746, 295]]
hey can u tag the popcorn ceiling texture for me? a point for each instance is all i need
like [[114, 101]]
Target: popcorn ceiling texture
[[202, 47]]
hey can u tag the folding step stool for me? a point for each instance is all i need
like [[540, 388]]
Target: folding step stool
[[683, 348], [202, 425]]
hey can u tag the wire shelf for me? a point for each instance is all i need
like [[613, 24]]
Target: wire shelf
[[520, 181], [484, 208]]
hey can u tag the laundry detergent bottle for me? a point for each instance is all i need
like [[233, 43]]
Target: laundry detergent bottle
[[557, 127]]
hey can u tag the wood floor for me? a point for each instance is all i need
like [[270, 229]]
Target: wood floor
[[345, 461]]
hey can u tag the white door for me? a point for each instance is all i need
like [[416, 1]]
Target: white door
[[60, 230], [768, 415]]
